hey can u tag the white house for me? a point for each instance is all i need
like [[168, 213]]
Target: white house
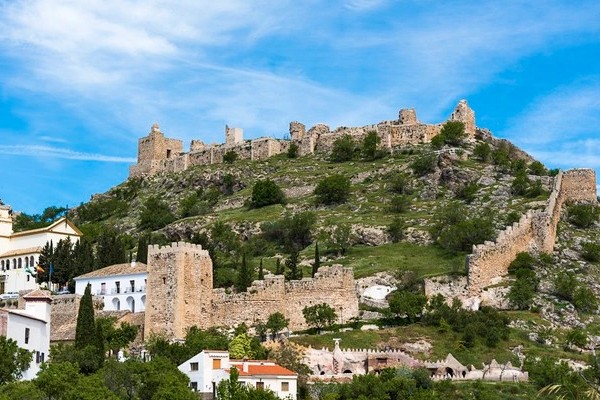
[[123, 286], [30, 328], [20, 251], [209, 367]]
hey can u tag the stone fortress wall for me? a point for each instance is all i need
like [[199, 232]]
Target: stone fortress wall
[[180, 294], [535, 231], [157, 154]]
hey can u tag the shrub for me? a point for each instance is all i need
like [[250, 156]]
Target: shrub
[[583, 215], [266, 192], [320, 315], [537, 168], [230, 157], [370, 146], [463, 235], [565, 285], [535, 189], [483, 152], [292, 232], [584, 299], [522, 291], [425, 164], [452, 133], [400, 203], [591, 251], [155, 214], [468, 192], [293, 150], [400, 183], [520, 184], [523, 260], [407, 303], [343, 149], [334, 189], [512, 217], [396, 229]]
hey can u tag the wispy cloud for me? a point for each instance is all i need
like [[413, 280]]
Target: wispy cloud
[[56, 152], [363, 5]]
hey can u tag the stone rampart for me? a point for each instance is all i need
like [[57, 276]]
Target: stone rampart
[[535, 231], [180, 294], [157, 154]]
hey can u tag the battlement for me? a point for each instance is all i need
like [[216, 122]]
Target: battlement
[[158, 154], [176, 247]]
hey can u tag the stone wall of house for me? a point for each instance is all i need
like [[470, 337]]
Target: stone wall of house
[[180, 294], [157, 154], [535, 231]]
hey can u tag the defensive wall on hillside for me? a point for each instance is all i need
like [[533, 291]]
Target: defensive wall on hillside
[[180, 294], [534, 232], [157, 154]]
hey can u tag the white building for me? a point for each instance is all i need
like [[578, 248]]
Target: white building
[[20, 251], [209, 367], [123, 286], [30, 328]]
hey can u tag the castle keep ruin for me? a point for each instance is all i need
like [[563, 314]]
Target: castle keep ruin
[[180, 294], [157, 154]]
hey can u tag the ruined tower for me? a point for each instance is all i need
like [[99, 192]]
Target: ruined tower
[[407, 116], [153, 150], [233, 136], [466, 115], [179, 289]]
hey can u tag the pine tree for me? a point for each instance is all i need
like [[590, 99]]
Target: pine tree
[[85, 331], [317, 263], [261, 273], [245, 275], [294, 271]]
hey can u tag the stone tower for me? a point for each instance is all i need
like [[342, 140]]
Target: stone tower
[[233, 136], [407, 116], [153, 150], [297, 131], [466, 115], [179, 289]]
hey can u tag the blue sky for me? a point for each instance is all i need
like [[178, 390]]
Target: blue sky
[[82, 81]]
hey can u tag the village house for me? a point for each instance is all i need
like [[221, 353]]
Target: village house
[[209, 367], [122, 286], [20, 251], [30, 328]]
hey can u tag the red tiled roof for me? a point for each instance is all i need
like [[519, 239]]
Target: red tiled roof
[[264, 370]]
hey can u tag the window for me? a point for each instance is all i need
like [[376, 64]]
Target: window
[[26, 335], [39, 357], [103, 288], [31, 261], [118, 284], [2, 263], [20, 263], [216, 363], [27, 261], [14, 263], [132, 285], [194, 386], [194, 366], [285, 386], [27, 277], [260, 385]]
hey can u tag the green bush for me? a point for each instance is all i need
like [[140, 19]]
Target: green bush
[[520, 184], [396, 229], [483, 152], [343, 149], [425, 164], [293, 150], [400, 183], [523, 260], [583, 215], [564, 285], [400, 203], [334, 189], [452, 133], [590, 251], [537, 168], [463, 235], [266, 192], [468, 192], [155, 214], [584, 299], [230, 157], [370, 146]]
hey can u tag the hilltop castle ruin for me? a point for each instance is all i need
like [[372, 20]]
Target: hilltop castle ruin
[[157, 154]]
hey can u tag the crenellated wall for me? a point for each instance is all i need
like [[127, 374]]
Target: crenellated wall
[[535, 231], [157, 154], [180, 294]]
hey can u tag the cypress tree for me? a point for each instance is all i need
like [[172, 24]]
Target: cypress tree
[[142, 249], [317, 263], [85, 332], [245, 275], [295, 272], [261, 273]]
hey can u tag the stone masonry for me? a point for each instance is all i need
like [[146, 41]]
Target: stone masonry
[[180, 294], [158, 154], [535, 231]]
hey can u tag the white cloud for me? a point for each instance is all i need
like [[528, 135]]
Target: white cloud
[[364, 5], [55, 152]]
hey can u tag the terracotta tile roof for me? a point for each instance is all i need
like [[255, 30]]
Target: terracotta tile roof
[[117, 269], [19, 252], [38, 294], [254, 370]]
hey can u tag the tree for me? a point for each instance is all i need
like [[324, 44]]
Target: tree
[[396, 229], [319, 316], [483, 152], [424, 164], [583, 215], [537, 168], [241, 347], [294, 270], [276, 323], [155, 214], [575, 337], [13, 360], [407, 303], [245, 275], [230, 157], [117, 338], [523, 290], [590, 251], [293, 232], [370, 146], [400, 203], [343, 149], [142, 249], [334, 189], [293, 150], [317, 262], [266, 192], [55, 379], [341, 238], [452, 133], [85, 331], [110, 249]]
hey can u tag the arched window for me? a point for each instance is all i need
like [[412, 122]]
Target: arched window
[[26, 261], [31, 263], [2, 263], [20, 263], [14, 263]]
